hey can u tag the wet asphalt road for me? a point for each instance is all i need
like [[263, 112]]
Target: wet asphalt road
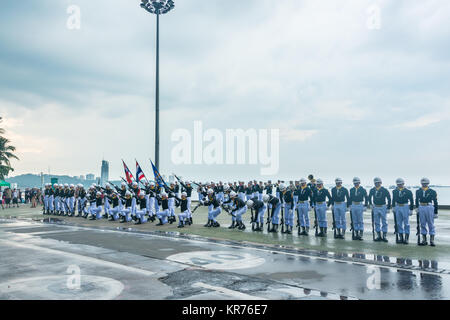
[[43, 261]]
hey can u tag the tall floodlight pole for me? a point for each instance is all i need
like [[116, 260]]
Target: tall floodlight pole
[[157, 7]]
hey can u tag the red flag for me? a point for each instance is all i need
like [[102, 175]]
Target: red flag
[[139, 173], [128, 174]]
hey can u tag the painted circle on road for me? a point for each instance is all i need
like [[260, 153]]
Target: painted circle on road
[[218, 260], [56, 288]]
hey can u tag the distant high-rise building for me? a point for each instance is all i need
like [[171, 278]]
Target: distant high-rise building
[[90, 177], [105, 173]]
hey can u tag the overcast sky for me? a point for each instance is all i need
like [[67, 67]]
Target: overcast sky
[[349, 99]]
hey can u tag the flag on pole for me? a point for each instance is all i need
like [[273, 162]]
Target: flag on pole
[[128, 174], [139, 173], [158, 179]]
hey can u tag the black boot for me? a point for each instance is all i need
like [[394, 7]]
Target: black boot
[[160, 222], [241, 226], [343, 234], [274, 228], [337, 235], [432, 241], [216, 225], [289, 230], [400, 238], [233, 225], [360, 237], [190, 221], [320, 234], [181, 224], [424, 240], [406, 239], [208, 224], [384, 237], [378, 239]]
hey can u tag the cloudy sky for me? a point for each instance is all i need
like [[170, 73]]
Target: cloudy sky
[[349, 97]]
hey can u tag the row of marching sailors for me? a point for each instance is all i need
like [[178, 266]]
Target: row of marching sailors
[[138, 208], [305, 198], [61, 199], [124, 204]]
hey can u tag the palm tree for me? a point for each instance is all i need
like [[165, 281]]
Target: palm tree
[[6, 153]]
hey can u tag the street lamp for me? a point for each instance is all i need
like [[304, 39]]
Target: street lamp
[[157, 7]]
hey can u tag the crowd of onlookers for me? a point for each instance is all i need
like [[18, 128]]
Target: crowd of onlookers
[[11, 198]]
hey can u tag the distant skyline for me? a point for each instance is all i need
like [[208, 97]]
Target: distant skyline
[[352, 93]]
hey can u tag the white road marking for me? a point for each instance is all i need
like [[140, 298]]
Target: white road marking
[[48, 232], [79, 257], [55, 287], [218, 260], [228, 292]]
